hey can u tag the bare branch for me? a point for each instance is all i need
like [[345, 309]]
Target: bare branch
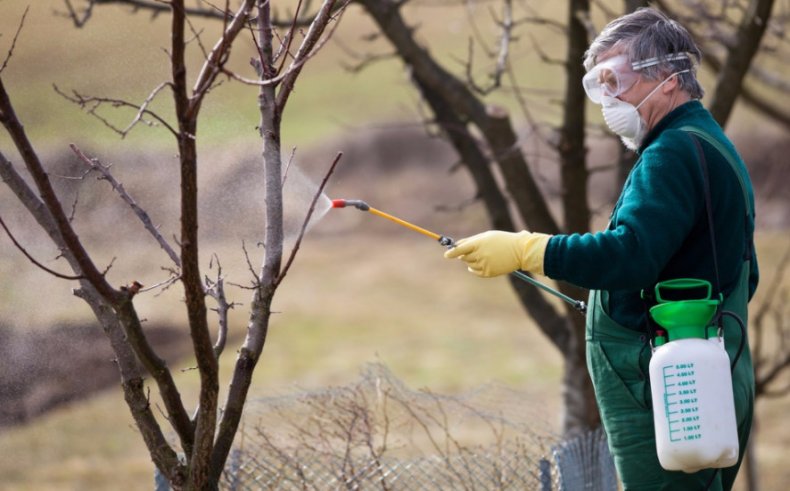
[[158, 7], [33, 164], [310, 45], [291, 73], [504, 42], [250, 267], [365, 60], [471, 16], [216, 290], [501, 55], [13, 42], [91, 104], [219, 55], [289, 38], [122, 335], [164, 285], [76, 18], [288, 165], [97, 166], [259, 83], [32, 259]]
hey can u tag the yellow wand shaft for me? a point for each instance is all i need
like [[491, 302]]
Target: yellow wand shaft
[[405, 223]]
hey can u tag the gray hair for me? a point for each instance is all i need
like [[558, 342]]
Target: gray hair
[[648, 33]]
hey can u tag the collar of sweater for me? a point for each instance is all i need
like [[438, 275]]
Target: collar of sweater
[[679, 113]]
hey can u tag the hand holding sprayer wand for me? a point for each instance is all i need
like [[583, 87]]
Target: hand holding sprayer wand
[[449, 243]]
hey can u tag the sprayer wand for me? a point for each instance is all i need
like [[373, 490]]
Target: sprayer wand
[[449, 243]]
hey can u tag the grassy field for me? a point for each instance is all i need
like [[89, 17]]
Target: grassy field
[[360, 291]]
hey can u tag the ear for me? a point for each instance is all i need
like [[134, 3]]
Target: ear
[[670, 85]]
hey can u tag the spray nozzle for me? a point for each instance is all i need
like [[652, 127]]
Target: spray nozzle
[[356, 203]]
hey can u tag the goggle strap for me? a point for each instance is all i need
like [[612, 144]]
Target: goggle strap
[[638, 65]]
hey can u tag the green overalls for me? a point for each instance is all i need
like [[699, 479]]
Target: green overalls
[[618, 360]]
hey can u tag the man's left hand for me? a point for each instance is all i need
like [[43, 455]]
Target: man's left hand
[[495, 252]]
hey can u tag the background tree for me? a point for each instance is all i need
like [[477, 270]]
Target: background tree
[[205, 437]]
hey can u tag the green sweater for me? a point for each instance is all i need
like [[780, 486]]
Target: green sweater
[[658, 229]]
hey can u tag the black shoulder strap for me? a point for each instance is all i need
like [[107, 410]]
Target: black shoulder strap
[[708, 208]]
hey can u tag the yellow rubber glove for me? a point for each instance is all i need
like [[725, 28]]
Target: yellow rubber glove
[[495, 253]]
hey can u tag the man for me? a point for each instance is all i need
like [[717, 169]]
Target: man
[[641, 69]]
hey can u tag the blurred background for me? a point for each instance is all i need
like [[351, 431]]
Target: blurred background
[[361, 291]]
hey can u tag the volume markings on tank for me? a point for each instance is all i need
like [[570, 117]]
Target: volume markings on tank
[[680, 402]]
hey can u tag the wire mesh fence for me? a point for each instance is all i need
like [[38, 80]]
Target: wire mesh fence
[[377, 434]]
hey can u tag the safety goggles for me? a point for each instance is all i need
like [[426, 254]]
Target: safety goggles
[[615, 75]]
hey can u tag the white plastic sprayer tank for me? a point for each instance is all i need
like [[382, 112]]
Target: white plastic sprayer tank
[[693, 406], [691, 384]]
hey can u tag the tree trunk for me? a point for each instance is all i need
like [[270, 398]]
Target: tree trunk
[[740, 54]]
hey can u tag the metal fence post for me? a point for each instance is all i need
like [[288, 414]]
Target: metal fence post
[[160, 481], [585, 463], [545, 475]]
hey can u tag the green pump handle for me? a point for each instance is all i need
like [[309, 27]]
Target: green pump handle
[[683, 284]]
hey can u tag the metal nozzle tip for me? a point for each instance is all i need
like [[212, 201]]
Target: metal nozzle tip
[[356, 203]]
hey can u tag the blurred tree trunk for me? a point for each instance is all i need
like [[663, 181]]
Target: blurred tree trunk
[[740, 53], [632, 5]]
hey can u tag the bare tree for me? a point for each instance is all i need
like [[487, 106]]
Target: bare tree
[[205, 437]]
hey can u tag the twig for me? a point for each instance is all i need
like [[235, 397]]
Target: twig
[[118, 187], [157, 7], [174, 277], [311, 44], [255, 281], [74, 16], [264, 82], [366, 61], [27, 255], [298, 242], [144, 107], [290, 36], [504, 42], [90, 104], [288, 165], [13, 42], [215, 61], [216, 290]]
